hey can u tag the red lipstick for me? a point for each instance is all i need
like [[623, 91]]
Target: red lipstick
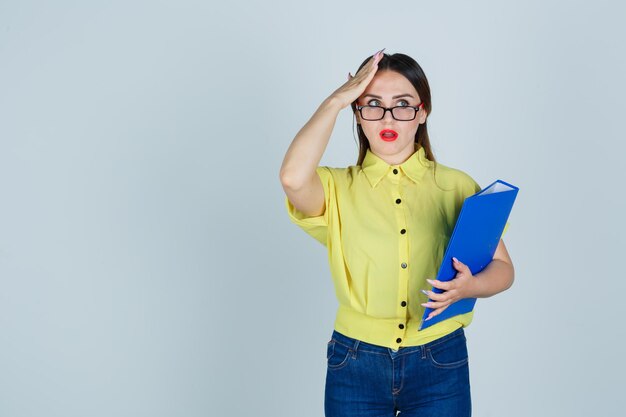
[[388, 135]]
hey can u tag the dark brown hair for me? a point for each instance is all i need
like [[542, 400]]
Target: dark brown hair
[[410, 69]]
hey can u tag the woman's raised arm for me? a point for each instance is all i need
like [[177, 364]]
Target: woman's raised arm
[[297, 173]]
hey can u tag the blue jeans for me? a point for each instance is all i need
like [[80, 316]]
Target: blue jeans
[[368, 380]]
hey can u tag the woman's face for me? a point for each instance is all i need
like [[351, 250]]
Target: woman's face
[[391, 89]]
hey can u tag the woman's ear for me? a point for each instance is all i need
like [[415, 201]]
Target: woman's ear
[[357, 116], [422, 116]]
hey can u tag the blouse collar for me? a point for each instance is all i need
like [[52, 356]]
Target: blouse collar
[[414, 167]]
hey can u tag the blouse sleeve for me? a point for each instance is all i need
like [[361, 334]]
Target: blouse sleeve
[[506, 227], [316, 226]]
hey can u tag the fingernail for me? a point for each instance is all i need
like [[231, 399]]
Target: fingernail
[[425, 304], [430, 281], [425, 292], [454, 259], [427, 318]]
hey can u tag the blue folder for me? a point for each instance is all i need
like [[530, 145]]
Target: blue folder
[[474, 240]]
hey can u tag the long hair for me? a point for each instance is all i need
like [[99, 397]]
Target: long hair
[[410, 69]]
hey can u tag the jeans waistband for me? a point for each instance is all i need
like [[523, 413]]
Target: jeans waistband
[[355, 344]]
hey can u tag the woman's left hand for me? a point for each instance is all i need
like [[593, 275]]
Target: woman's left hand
[[456, 289]]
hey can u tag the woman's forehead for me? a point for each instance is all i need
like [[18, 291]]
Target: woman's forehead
[[388, 84]]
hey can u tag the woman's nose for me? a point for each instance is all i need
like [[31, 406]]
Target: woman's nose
[[388, 113]]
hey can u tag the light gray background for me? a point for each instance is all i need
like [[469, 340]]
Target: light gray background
[[147, 263]]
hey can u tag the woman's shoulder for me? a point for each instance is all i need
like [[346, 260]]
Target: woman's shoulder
[[339, 173], [452, 173], [448, 176]]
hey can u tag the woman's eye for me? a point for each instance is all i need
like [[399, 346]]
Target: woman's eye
[[403, 103], [373, 103]]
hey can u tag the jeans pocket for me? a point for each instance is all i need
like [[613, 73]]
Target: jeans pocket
[[449, 354], [337, 355]]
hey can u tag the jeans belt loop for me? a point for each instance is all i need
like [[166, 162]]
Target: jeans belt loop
[[355, 348]]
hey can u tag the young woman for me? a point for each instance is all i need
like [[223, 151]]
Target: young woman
[[386, 222]]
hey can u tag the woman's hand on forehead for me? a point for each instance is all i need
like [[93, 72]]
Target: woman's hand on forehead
[[355, 86]]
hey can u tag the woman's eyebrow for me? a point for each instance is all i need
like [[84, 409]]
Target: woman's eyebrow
[[394, 97]]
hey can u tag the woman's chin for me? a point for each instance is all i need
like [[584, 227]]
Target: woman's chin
[[390, 147]]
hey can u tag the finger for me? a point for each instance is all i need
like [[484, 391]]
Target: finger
[[365, 68], [372, 64], [460, 266], [365, 71], [435, 313], [379, 55], [440, 284], [376, 57], [362, 79], [436, 304], [434, 296]]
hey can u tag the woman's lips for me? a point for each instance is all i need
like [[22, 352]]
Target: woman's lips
[[388, 135]]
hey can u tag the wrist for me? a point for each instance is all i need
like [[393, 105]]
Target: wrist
[[333, 103], [475, 288]]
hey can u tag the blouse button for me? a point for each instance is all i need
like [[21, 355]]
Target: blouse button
[[403, 304], [403, 231], [403, 265], [398, 340], [395, 171], [401, 326], [398, 201]]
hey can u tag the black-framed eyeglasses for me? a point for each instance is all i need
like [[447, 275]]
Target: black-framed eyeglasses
[[401, 113]]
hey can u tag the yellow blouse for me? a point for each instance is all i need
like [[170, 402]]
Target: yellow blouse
[[386, 228]]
